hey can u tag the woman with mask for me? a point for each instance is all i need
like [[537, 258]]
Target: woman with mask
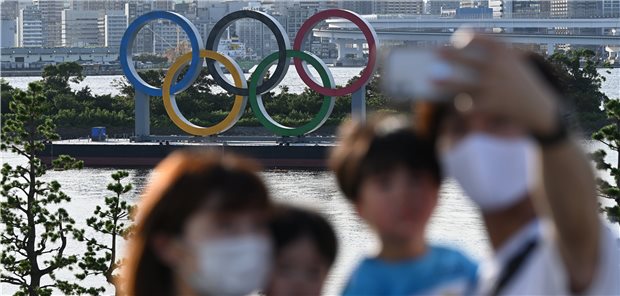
[[201, 228], [503, 140]]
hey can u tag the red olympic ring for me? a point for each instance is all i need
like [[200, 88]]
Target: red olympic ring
[[368, 32]]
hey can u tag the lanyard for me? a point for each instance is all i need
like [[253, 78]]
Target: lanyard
[[513, 266]]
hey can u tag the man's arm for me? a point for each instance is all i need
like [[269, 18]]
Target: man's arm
[[572, 204]]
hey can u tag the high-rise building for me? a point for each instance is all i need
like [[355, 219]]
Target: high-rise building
[[51, 17], [437, 6], [9, 9], [361, 7], [144, 39], [399, 7], [30, 27], [8, 34], [258, 39], [294, 13], [81, 28], [99, 5], [114, 26], [611, 8], [8, 18], [520, 8], [576, 8], [474, 3]]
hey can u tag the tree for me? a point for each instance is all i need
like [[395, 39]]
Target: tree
[[610, 136], [6, 91], [37, 228], [58, 76], [577, 71], [108, 221]]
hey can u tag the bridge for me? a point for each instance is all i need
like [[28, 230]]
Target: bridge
[[414, 29], [424, 22]]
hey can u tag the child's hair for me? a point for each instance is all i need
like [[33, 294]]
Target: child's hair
[[183, 183], [380, 145], [290, 224]]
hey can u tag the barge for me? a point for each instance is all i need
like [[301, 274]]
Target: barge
[[271, 153]]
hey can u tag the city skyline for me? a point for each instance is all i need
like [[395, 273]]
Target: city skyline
[[101, 24]]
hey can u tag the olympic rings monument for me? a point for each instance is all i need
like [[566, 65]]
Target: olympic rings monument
[[289, 148], [243, 90]]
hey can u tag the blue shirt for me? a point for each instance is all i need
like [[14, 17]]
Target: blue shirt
[[441, 271]]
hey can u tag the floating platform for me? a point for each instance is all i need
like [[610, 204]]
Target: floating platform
[[271, 152]]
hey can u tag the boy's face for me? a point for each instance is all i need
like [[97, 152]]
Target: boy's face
[[398, 203], [299, 270]]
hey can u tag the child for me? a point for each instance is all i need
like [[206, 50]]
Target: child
[[305, 248], [202, 228], [392, 178]]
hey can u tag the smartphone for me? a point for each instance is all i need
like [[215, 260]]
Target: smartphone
[[408, 74]]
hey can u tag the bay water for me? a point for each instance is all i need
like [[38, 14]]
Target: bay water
[[455, 222]]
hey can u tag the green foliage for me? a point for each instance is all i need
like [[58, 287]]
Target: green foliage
[[36, 227], [577, 71], [152, 58], [110, 222], [610, 136], [6, 93], [57, 77], [202, 104]]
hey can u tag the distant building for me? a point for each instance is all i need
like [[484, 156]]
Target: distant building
[[51, 19], [9, 9], [399, 7], [437, 6], [294, 13], [99, 5], [361, 7], [474, 13], [611, 8], [474, 3], [81, 28], [258, 39], [207, 13], [520, 8], [576, 8], [8, 23], [8, 35], [166, 36], [144, 39], [38, 57], [114, 26], [30, 27]]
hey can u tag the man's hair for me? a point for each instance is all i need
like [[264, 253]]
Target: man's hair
[[379, 146]]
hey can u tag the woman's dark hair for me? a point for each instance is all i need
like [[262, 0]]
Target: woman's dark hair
[[379, 146], [290, 224], [182, 184]]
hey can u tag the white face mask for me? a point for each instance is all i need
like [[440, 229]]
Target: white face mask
[[495, 172], [232, 266]]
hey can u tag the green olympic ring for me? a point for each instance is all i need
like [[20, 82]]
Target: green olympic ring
[[258, 107]]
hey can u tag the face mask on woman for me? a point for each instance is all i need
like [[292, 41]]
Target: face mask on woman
[[232, 266], [494, 172]]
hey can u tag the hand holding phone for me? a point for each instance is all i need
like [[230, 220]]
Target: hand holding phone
[[408, 74]]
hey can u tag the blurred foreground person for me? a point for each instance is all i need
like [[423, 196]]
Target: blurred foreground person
[[201, 228], [392, 179], [504, 141], [305, 248]]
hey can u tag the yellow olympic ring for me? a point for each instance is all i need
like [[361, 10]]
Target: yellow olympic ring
[[173, 110]]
